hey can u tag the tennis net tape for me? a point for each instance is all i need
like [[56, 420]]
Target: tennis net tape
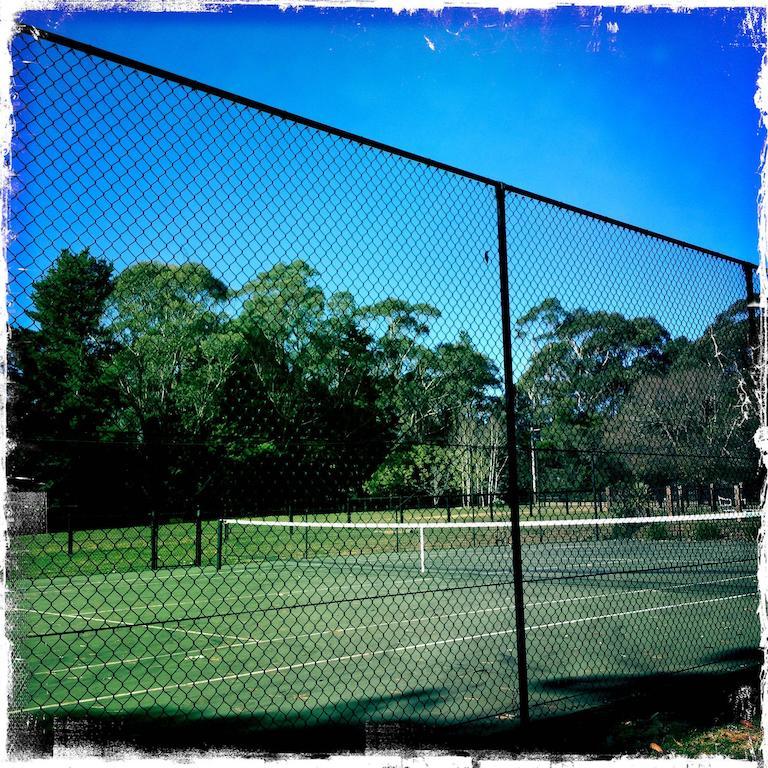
[[574, 546]]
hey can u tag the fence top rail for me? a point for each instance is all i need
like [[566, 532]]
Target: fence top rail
[[149, 69], [746, 514]]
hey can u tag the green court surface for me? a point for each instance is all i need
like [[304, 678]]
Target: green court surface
[[359, 639]]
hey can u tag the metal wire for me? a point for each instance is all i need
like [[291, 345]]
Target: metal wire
[[309, 430]]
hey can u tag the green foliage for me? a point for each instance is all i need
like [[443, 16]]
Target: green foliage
[[280, 392], [583, 366], [630, 499], [687, 420], [706, 530], [429, 470], [655, 532], [61, 390]]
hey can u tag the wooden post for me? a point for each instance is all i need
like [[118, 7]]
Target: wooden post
[[737, 500], [712, 497], [608, 500], [669, 501]]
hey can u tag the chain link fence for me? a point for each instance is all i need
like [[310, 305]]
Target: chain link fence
[[270, 375]]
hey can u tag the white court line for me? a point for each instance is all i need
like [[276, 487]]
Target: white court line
[[356, 656], [199, 652], [567, 622], [129, 626], [308, 635], [137, 607], [146, 576], [73, 588]]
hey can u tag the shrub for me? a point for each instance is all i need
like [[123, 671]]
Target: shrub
[[656, 532], [706, 530]]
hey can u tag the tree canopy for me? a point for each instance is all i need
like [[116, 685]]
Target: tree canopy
[[161, 387]]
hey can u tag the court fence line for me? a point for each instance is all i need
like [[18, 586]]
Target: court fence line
[[357, 325]]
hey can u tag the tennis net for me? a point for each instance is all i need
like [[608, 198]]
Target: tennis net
[[551, 548]]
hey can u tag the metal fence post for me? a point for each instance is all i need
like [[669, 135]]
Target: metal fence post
[[198, 540], [512, 480], [70, 535], [219, 544], [153, 541]]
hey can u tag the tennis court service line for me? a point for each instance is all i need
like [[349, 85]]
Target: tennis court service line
[[243, 642], [242, 596], [67, 584], [128, 626], [137, 607], [279, 639], [360, 656], [122, 578], [344, 630]]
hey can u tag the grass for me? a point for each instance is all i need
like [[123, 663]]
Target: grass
[[128, 549], [664, 735]]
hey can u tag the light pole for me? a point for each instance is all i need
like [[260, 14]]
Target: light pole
[[534, 480]]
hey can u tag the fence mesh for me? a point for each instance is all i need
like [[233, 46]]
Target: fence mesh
[[220, 313]]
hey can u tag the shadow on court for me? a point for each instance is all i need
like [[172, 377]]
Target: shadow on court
[[696, 699]]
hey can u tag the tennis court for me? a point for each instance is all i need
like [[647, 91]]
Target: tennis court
[[321, 622]]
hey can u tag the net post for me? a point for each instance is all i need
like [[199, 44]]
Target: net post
[[594, 498], [70, 535], [198, 539], [153, 541], [513, 497], [421, 549], [219, 544]]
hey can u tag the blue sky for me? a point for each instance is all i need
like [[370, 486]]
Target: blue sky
[[654, 124], [648, 118]]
